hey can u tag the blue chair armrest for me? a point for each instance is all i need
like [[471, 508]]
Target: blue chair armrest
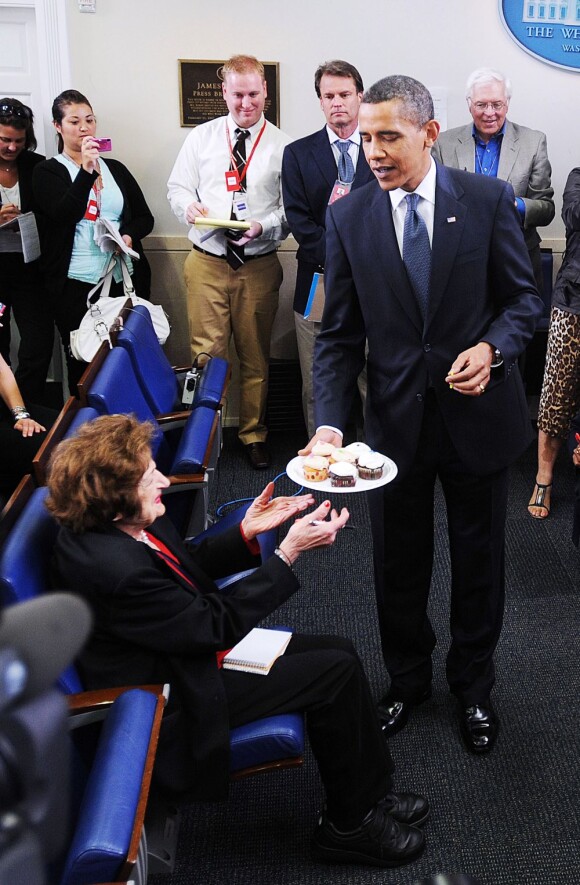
[[193, 444], [104, 828], [212, 384], [266, 740]]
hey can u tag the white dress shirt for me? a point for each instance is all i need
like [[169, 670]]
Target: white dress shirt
[[199, 175], [353, 149], [425, 206]]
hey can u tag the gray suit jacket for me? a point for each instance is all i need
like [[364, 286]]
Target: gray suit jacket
[[523, 162]]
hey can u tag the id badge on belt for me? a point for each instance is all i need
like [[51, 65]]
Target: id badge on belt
[[340, 189]]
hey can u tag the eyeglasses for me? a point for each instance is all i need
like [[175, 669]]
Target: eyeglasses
[[484, 105], [15, 110]]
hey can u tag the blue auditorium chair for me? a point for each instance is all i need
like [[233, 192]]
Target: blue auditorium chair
[[183, 452], [162, 384], [70, 418]]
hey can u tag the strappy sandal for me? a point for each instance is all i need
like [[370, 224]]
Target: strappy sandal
[[540, 490]]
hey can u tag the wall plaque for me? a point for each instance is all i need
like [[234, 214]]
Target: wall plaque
[[200, 91]]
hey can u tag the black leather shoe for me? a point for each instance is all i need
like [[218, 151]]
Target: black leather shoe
[[394, 715], [407, 808], [258, 455], [379, 841], [479, 727]]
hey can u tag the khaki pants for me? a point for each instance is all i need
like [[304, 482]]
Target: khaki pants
[[222, 302]]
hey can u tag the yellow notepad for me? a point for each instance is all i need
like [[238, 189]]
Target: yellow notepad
[[257, 651]]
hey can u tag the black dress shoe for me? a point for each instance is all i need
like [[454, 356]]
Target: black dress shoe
[[407, 808], [258, 455], [379, 841], [394, 715], [479, 727]]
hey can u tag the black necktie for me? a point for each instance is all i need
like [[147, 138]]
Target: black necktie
[[235, 254]]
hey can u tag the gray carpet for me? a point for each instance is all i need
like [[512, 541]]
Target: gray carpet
[[509, 818]]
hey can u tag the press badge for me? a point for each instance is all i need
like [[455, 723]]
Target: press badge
[[92, 210], [232, 180], [240, 206], [340, 189]]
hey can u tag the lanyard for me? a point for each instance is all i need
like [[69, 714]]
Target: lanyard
[[232, 158]]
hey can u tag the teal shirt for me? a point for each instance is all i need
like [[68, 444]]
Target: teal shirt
[[88, 263]]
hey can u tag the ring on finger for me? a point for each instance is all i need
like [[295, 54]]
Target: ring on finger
[[482, 388]]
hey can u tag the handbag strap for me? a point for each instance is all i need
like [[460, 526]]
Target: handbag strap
[[128, 287], [103, 287]]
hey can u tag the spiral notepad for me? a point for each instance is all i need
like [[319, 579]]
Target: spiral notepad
[[257, 652]]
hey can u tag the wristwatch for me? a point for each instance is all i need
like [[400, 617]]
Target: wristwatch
[[497, 359]]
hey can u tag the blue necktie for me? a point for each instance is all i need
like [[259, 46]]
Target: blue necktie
[[417, 252], [345, 164]]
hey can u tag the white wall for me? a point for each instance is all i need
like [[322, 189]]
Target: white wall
[[125, 58]]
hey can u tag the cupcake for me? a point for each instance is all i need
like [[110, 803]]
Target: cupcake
[[315, 468], [342, 474], [324, 449], [370, 465], [343, 455], [358, 448]]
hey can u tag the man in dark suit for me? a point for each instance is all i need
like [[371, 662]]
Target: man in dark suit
[[445, 397], [312, 173]]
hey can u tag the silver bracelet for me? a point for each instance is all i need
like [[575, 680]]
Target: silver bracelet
[[281, 555], [19, 412]]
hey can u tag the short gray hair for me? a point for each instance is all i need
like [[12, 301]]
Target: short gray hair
[[416, 98], [483, 76]]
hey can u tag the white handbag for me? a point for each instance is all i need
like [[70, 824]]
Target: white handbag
[[103, 311]]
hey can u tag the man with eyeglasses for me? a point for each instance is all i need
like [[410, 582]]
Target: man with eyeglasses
[[498, 148]]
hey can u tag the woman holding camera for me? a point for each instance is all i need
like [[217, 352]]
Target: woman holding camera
[[21, 285], [72, 191]]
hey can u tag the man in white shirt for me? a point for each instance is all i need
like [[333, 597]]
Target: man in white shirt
[[230, 167]]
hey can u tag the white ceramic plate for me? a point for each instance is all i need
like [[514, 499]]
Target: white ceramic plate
[[296, 474]]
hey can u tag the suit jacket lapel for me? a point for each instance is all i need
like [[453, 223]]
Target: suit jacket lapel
[[324, 158], [509, 152], [448, 226], [380, 230], [465, 150]]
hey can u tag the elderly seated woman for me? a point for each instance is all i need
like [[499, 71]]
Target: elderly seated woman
[[159, 617]]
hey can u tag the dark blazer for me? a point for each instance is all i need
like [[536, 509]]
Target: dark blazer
[[523, 161], [61, 204], [308, 175], [482, 288], [151, 626], [26, 162]]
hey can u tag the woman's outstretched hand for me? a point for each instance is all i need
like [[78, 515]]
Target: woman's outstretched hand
[[266, 512], [316, 529]]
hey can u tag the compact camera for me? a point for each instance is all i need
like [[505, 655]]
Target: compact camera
[[104, 144]]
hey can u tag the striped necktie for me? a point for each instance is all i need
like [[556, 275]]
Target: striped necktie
[[235, 254]]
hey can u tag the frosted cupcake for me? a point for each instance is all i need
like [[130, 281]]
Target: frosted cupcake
[[370, 465], [343, 455], [342, 474], [315, 468], [358, 449], [324, 449]]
